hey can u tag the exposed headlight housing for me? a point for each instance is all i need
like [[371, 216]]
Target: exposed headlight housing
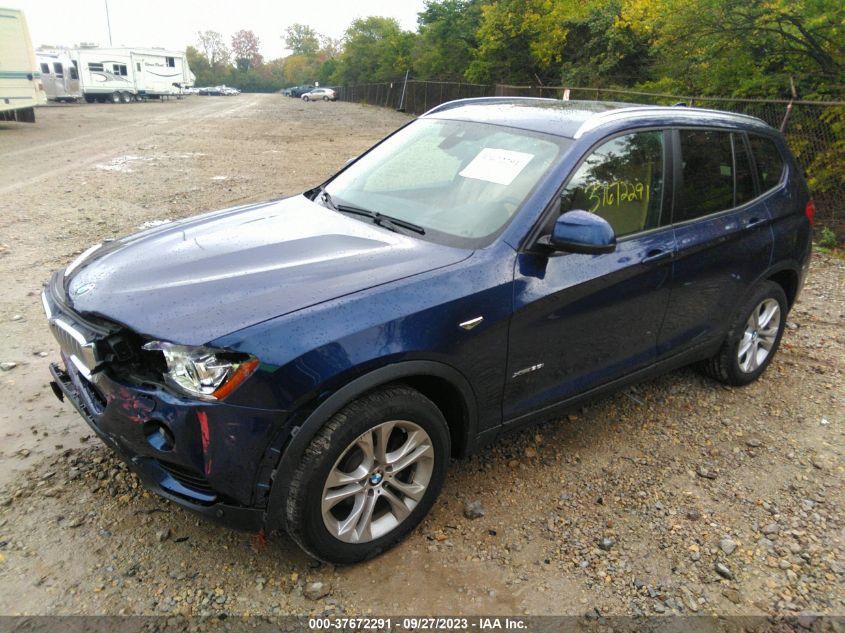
[[202, 372]]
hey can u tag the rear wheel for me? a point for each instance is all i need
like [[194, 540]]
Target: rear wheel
[[753, 338], [115, 97], [305, 98], [369, 476], [325, 98], [126, 97]]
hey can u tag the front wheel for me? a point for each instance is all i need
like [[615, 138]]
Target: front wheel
[[753, 338], [369, 476], [305, 98]]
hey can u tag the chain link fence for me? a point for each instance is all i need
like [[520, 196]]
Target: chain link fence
[[815, 130]]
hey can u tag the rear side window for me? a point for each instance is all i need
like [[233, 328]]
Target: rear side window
[[58, 68], [621, 181], [707, 179], [768, 159]]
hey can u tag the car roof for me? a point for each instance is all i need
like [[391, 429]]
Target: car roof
[[573, 119]]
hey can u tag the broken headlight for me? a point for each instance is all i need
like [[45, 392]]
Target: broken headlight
[[202, 372]]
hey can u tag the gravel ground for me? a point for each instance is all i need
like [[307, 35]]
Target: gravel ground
[[676, 496]]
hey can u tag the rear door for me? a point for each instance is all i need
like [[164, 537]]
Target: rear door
[[723, 234], [583, 320]]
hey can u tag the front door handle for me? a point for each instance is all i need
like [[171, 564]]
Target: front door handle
[[754, 222], [656, 255]]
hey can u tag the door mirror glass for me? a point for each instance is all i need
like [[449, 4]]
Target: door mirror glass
[[582, 232]]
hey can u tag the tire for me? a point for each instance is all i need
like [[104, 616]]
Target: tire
[[115, 97], [126, 97], [325, 98], [732, 367], [337, 449], [305, 98]]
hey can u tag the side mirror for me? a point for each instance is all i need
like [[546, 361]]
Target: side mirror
[[581, 232]]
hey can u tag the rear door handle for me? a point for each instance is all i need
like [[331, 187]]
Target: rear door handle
[[656, 255]]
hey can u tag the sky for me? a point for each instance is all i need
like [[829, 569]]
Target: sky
[[173, 24]]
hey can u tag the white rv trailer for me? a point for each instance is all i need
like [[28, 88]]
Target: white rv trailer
[[20, 82], [122, 75], [59, 75]]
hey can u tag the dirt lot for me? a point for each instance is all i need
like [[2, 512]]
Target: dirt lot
[[627, 507]]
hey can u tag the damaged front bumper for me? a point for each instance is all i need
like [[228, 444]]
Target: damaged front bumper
[[202, 457]]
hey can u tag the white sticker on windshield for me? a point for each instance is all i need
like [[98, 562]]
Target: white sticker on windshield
[[496, 165]]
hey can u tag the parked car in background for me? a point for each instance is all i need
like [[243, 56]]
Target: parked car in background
[[320, 94], [298, 91], [313, 363]]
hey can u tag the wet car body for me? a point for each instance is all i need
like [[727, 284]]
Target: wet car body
[[333, 307]]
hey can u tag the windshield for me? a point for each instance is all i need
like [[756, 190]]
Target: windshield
[[461, 182]]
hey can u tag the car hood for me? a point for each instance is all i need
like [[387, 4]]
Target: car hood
[[195, 280]]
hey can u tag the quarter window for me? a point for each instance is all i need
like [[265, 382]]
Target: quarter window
[[768, 159], [622, 181]]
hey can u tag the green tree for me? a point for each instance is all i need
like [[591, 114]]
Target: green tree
[[744, 47], [375, 49], [508, 31], [301, 39], [447, 38]]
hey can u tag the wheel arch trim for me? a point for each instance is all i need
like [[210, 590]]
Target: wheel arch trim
[[301, 436]]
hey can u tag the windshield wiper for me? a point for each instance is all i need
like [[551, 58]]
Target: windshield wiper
[[386, 221]]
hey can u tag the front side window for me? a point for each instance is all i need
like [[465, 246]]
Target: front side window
[[621, 181], [768, 159], [707, 174], [461, 181]]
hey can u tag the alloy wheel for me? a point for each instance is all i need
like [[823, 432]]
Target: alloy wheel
[[761, 332], [377, 481]]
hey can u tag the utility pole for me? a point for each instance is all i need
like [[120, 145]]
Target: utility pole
[[108, 21]]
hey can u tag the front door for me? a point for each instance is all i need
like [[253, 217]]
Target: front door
[[583, 320]]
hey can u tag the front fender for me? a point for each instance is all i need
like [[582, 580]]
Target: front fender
[[301, 435]]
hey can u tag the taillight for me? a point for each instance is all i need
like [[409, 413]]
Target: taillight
[[810, 211]]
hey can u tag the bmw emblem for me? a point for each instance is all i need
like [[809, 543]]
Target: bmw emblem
[[84, 289], [375, 478]]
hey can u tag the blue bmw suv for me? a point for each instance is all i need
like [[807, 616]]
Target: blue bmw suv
[[311, 364]]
